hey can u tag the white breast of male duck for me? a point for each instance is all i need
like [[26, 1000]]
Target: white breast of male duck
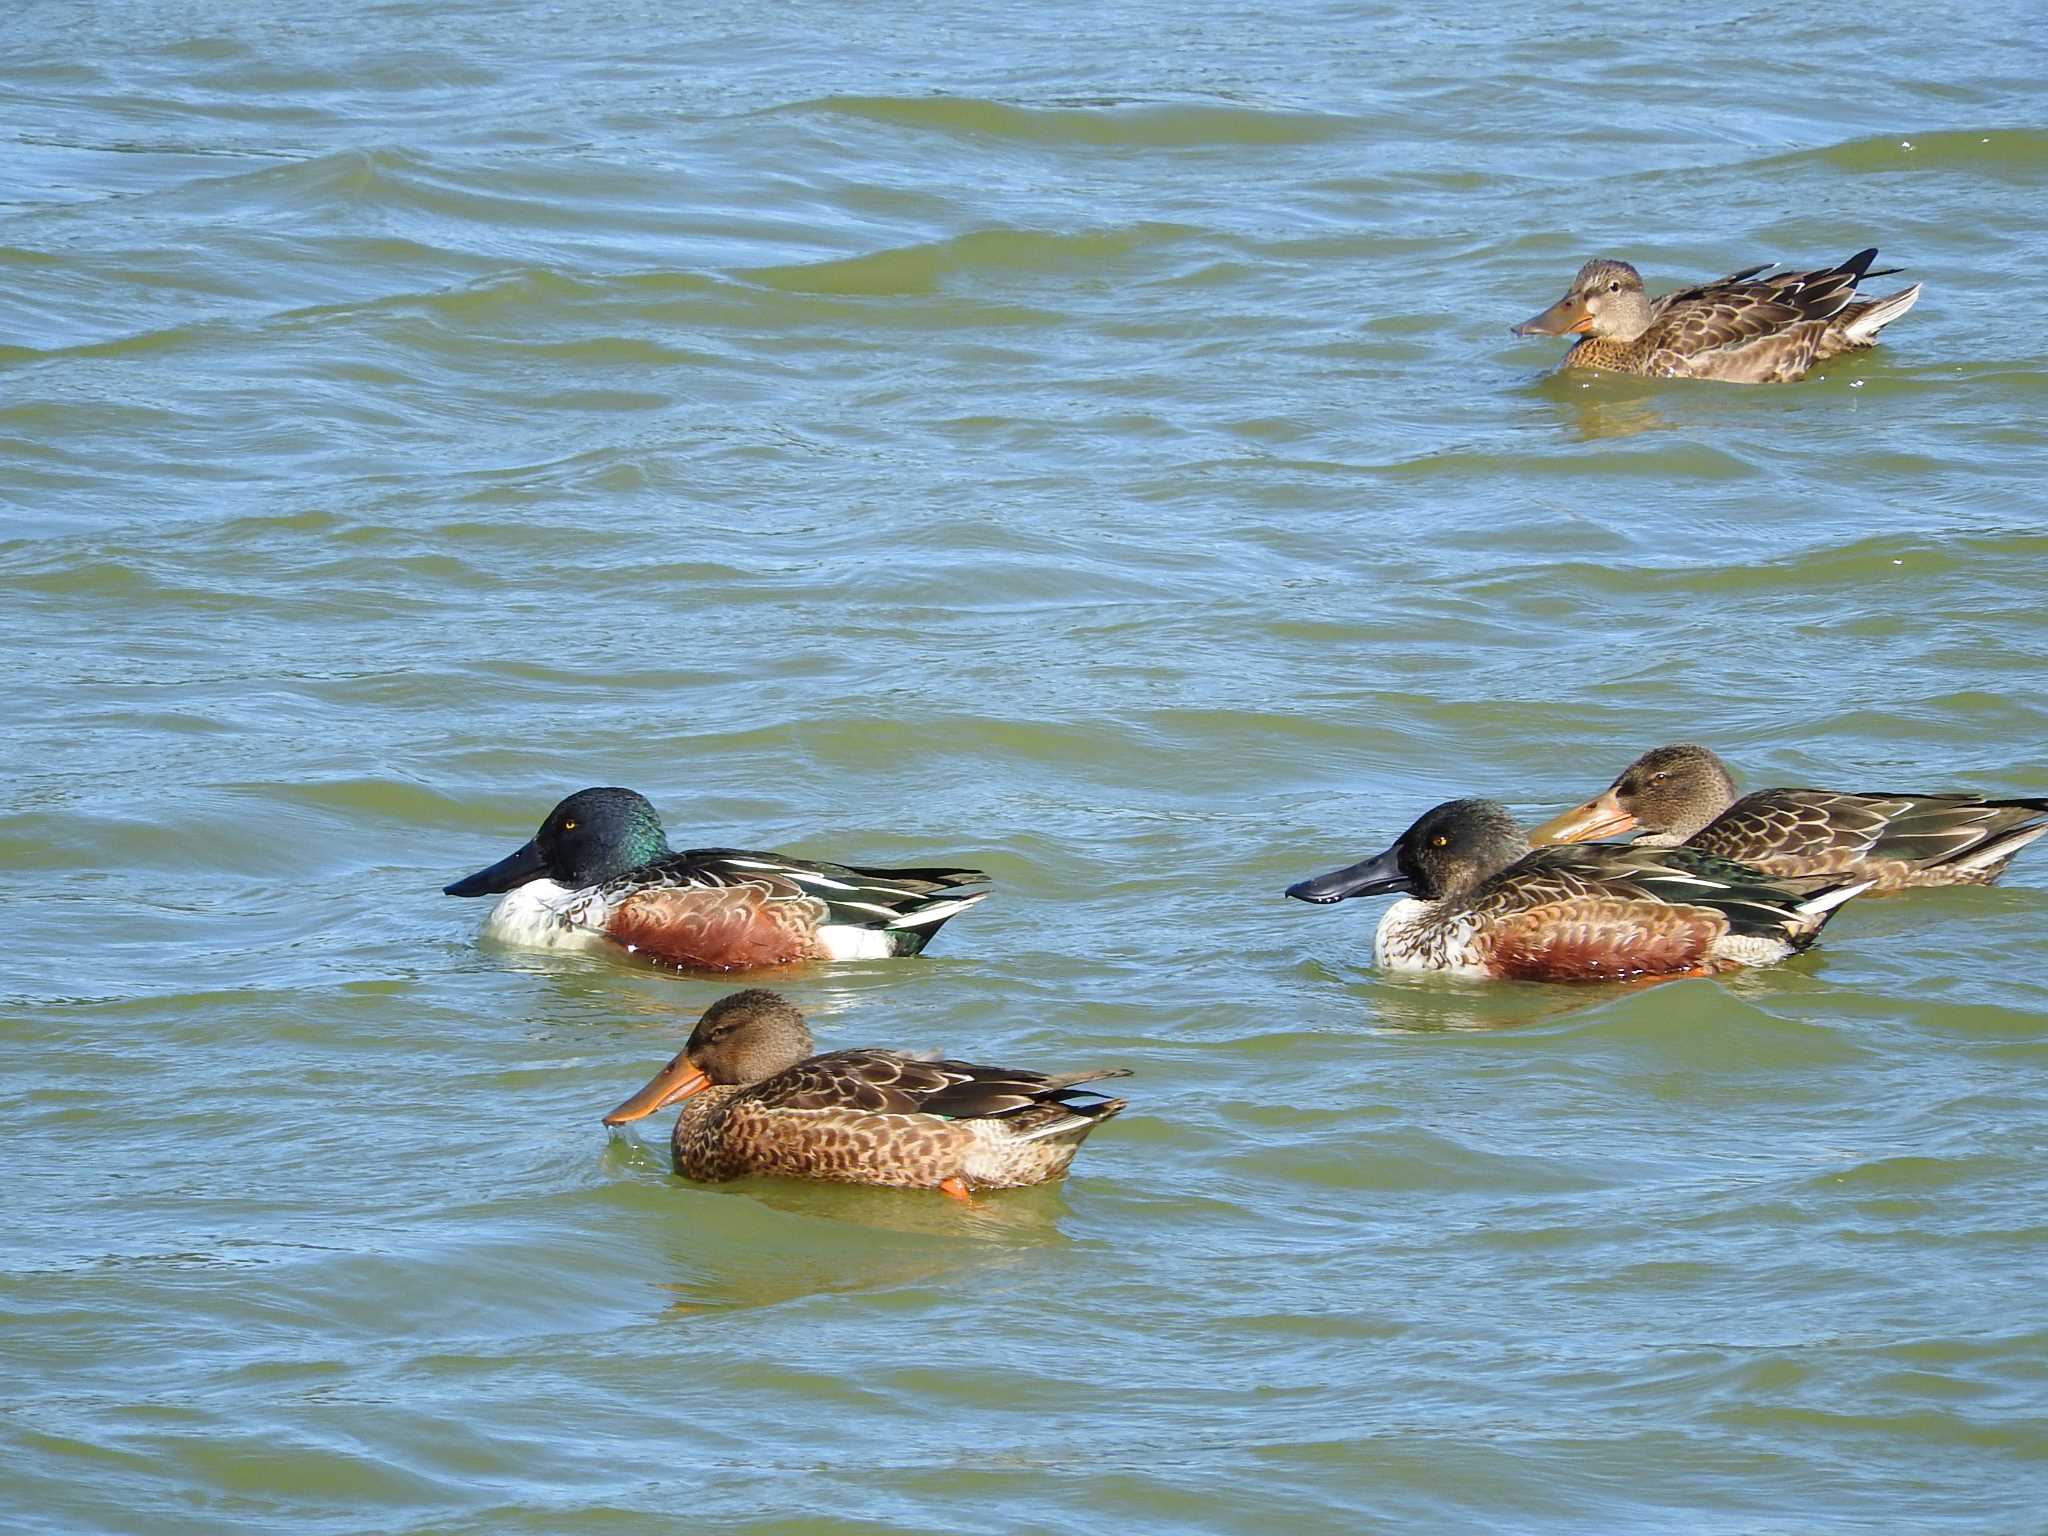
[[1420, 936], [544, 915]]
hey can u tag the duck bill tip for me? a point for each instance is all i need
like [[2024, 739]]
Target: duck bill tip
[[673, 1083], [515, 869], [1378, 876]]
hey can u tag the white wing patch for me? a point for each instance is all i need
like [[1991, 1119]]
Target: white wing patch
[[937, 913], [843, 942]]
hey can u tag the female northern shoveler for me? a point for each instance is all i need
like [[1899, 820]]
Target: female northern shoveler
[[755, 1100], [1686, 795], [600, 872], [1745, 328], [1481, 904]]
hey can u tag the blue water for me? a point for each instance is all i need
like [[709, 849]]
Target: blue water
[[1082, 444]]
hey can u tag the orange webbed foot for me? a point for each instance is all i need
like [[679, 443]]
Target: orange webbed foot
[[956, 1187]]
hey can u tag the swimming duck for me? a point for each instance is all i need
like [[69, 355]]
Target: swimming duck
[[600, 873], [756, 1100], [1479, 903], [1685, 795], [1746, 328]]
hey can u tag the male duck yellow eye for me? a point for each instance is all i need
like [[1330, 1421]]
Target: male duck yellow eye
[[1439, 841], [568, 826]]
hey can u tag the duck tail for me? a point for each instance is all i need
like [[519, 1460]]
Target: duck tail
[[1862, 322], [1078, 1115], [921, 922], [1993, 853]]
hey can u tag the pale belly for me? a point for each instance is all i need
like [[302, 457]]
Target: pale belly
[[544, 915], [1411, 939]]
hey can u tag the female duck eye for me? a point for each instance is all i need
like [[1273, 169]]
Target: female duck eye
[[1614, 287], [1439, 841]]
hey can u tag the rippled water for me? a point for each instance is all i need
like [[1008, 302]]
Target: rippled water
[[1082, 443]]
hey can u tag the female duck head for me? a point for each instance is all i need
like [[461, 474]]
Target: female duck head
[[1667, 794], [1449, 851], [590, 837], [1606, 299], [742, 1038]]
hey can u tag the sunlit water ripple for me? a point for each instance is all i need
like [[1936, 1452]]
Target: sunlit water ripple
[[1090, 448]]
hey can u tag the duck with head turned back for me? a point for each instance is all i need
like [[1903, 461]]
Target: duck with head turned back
[[1684, 795], [1747, 328], [1477, 902], [600, 873], [757, 1101]]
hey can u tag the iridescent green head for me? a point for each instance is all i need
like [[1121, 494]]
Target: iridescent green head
[[589, 838]]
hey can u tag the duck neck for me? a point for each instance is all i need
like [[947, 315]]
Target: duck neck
[[697, 1142], [1416, 935]]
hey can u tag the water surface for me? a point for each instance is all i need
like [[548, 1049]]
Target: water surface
[[1083, 444]]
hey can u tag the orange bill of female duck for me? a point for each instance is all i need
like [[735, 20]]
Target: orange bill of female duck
[[1684, 795], [1476, 902], [756, 1100], [600, 874]]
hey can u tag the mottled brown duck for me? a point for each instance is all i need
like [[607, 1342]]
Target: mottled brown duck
[[1685, 795], [757, 1101], [1477, 902], [1750, 327]]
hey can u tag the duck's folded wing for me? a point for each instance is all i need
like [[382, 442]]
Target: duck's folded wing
[[1745, 307], [1750, 901], [1804, 824], [893, 1083], [1833, 828], [1714, 322], [1688, 295], [856, 895]]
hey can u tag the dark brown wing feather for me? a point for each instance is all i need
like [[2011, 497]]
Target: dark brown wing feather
[[1835, 830], [1745, 308], [1686, 295], [887, 1082], [1748, 901], [1715, 322]]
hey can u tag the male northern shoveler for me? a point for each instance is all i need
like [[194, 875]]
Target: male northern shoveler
[[1684, 795], [600, 872], [1746, 328], [755, 1100], [1481, 904]]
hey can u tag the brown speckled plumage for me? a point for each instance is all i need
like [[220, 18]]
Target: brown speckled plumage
[[1685, 795], [861, 1116], [1751, 327]]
